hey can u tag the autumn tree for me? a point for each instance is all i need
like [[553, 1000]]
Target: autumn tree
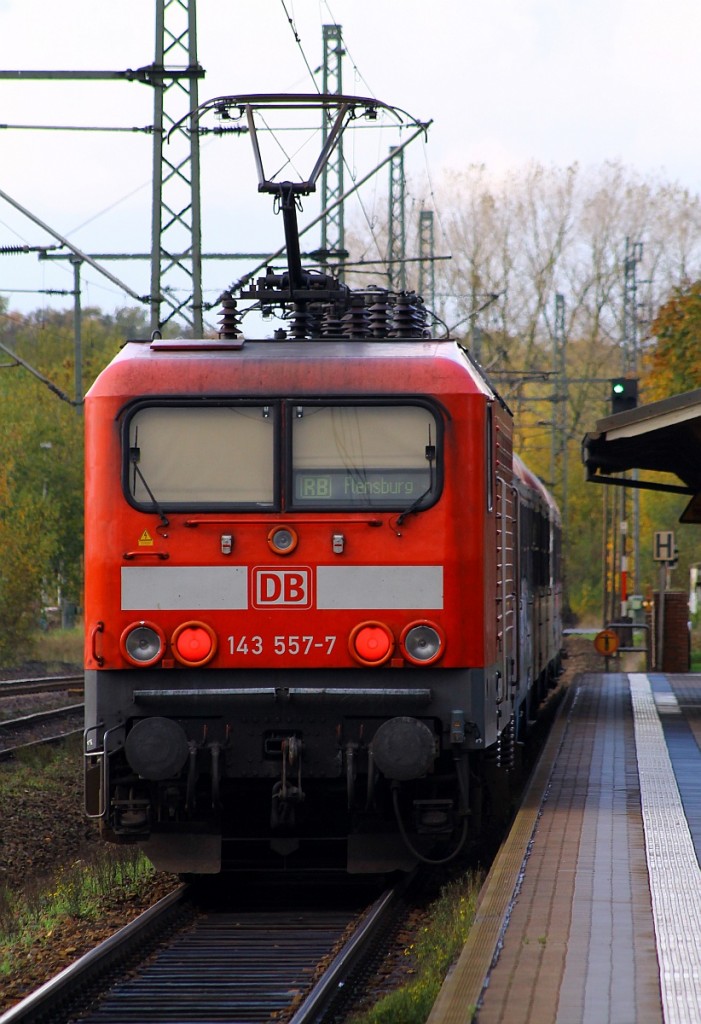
[[674, 362], [518, 239], [41, 470]]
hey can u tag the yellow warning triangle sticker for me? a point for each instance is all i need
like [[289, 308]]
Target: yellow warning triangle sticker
[[145, 540]]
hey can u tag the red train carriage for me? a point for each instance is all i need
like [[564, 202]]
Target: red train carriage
[[301, 598], [321, 594]]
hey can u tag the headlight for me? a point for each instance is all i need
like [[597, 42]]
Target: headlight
[[422, 643], [282, 540], [142, 643]]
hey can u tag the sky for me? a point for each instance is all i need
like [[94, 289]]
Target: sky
[[503, 82]]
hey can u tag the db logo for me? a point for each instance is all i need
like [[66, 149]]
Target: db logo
[[282, 588]]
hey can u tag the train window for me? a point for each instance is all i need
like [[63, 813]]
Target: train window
[[184, 456], [349, 456]]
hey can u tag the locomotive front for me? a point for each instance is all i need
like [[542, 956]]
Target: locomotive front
[[302, 622], [288, 656]]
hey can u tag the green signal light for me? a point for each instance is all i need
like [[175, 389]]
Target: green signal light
[[618, 388]]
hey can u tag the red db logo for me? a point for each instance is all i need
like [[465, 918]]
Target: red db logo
[[282, 588]]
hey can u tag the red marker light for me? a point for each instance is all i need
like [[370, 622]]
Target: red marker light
[[371, 643], [194, 643]]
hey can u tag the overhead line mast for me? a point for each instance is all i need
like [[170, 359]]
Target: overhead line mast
[[176, 248], [396, 244], [332, 225], [176, 256]]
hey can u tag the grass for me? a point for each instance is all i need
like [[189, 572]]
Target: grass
[[79, 892], [35, 784], [434, 949], [59, 646], [42, 768]]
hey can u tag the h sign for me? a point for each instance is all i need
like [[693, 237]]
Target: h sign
[[664, 546]]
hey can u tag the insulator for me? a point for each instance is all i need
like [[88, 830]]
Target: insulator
[[421, 314], [331, 325], [379, 316], [409, 320], [230, 319], [355, 322], [301, 323]]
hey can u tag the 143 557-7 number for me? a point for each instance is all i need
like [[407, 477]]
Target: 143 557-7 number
[[282, 644]]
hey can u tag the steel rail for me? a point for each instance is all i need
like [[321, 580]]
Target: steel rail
[[7, 724], [42, 1004], [17, 687], [20, 725], [9, 752], [247, 972], [338, 973]]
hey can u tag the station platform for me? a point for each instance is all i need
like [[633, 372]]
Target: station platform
[[591, 912]]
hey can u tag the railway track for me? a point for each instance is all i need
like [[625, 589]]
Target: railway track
[[183, 961], [39, 728], [44, 684]]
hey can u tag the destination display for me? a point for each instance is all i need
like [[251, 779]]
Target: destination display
[[373, 487]]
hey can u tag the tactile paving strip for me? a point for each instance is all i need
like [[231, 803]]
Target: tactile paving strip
[[675, 877]]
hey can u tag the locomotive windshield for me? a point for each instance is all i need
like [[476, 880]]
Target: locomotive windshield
[[345, 456], [355, 456], [187, 456]]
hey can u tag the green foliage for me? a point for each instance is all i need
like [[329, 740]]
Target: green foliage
[[516, 240], [61, 646], [41, 469], [82, 890], [436, 946], [27, 546], [55, 894]]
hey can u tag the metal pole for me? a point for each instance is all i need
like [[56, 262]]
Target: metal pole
[[604, 555], [157, 175], [421, 130], [69, 245], [396, 244], [614, 554], [333, 241], [660, 618], [77, 335], [427, 280]]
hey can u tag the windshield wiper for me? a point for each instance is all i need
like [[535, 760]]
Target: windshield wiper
[[134, 456], [414, 507]]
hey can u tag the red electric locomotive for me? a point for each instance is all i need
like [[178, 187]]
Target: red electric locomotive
[[322, 595]]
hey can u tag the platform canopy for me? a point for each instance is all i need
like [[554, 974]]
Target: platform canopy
[[664, 437]]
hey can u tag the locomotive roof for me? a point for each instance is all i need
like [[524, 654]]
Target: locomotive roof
[[233, 366]]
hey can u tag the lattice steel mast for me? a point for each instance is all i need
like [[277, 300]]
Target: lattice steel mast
[[634, 254], [176, 253], [560, 395], [427, 277], [396, 245], [333, 247]]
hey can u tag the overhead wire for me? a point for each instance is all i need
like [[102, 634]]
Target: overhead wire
[[299, 43], [367, 217], [360, 77], [370, 219]]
